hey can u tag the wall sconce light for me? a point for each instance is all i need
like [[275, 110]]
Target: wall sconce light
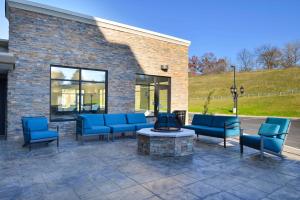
[[164, 68]]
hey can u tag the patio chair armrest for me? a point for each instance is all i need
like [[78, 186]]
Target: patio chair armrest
[[232, 126], [232, 123], [271, 134], [241, 132]]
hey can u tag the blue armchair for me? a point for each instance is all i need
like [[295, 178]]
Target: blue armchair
[[91, 125], [270, 138], [36, 130]]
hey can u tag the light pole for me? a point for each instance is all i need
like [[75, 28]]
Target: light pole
[[234, 92]]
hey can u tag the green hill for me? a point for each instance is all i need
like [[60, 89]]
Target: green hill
[[267, 93]]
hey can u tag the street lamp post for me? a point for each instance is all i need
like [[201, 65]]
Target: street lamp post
[[234, 92]]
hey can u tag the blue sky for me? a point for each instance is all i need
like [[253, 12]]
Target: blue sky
[[222, 27]]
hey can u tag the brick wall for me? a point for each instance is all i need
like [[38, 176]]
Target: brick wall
[[40, 40]]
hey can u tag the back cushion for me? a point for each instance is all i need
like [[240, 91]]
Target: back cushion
[[268, 129], [135, 118], [114, 119], [218, 121], [202, 120], [93, 120], [283, 123], [37, 124]]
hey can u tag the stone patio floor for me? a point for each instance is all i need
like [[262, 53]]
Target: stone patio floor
[[114, 170]]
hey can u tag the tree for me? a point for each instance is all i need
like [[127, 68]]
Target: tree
[[211, 64], [195, 65], [246, 60], [269, 57], [291, 55]]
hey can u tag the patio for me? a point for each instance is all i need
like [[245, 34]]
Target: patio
[[114, 170]]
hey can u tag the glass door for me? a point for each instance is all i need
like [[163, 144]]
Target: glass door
[[162, 100]]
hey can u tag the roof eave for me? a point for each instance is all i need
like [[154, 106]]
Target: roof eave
[[58, 12]]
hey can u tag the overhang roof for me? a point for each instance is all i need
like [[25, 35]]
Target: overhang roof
[[58, 12], [7, 61]]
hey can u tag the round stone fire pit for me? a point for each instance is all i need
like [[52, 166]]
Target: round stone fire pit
[[176, 143]]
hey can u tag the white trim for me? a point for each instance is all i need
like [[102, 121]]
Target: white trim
[[58, 12]]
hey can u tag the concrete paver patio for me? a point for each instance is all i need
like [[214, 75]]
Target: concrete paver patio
[[114, 170]]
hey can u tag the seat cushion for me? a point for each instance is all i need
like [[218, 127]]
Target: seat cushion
[[282, 122], [271, 144], [202, 120], [38, 135], [143, 125], [268, 129], [136, 118], [92, 120], [37, 124], [114, 119], [97, 130], [119, 128]]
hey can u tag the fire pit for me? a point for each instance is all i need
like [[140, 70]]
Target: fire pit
[[167, 122], [166, 139]]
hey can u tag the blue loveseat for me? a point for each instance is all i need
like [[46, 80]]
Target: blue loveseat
[[106, 124], [215, 126]]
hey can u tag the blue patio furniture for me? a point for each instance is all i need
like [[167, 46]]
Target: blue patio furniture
[[36, 130], [91, 125], [215, 126], [118, 124], [271, 137], [138, 120]]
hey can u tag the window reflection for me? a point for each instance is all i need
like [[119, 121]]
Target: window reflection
[[76, 91]]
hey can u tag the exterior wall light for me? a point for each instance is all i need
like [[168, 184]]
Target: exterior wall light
[[164, 68]]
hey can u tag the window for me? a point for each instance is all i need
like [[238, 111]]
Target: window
[[152, 94], [75, 91]]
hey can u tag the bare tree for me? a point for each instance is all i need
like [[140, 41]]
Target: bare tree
[[195, 65], [291, 55], [268, 57], [246, 60], [212, 64]]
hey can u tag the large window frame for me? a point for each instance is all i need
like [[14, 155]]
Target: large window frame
[[80, 82], [156, 92]]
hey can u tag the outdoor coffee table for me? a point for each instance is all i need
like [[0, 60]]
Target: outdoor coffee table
[[177, 143]]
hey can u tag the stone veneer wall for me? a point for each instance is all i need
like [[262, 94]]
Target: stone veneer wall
[[40, 40]]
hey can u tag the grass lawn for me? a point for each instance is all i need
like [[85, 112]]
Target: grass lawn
[[262, 81]]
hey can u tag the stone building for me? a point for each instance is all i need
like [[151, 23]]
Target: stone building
[[65, 63]]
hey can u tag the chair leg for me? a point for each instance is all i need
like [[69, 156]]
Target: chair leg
[[224, 142], [57, 142], [76, 137], [99, 137], [107, 137], [29, 145], [241, 147], [82, 140]]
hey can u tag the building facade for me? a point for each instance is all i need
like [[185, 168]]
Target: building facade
[[68, 63]]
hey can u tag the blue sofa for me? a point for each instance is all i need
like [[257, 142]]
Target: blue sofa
[[215, 126], [106, 124], [270, 138], [36, 130], [91, 125]]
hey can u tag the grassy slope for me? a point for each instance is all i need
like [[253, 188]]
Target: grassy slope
[[254, 82]]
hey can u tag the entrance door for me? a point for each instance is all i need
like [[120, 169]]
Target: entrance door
[[3, 90], [163, 99], [162, 95]]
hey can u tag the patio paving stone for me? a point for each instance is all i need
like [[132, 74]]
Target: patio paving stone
[[114, 170]]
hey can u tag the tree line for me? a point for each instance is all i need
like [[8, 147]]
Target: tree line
[[263, 57]]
